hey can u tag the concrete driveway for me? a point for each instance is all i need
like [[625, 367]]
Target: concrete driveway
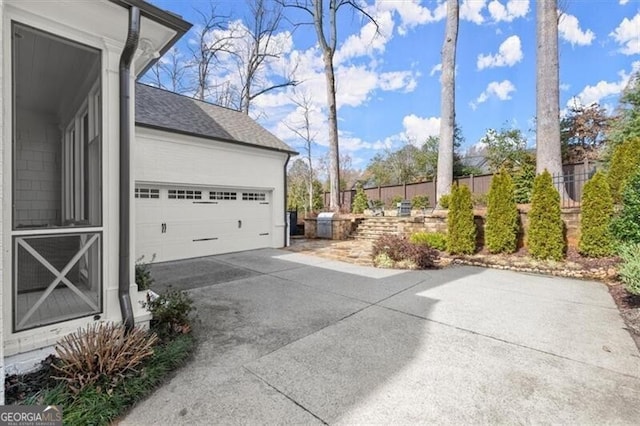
[[291, 338]]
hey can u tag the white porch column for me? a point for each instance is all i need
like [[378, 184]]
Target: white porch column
[[2, 142]]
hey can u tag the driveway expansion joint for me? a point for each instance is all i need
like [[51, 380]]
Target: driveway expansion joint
[[263, 380]]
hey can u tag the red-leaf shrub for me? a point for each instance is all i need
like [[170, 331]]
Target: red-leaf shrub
[[399, 249]]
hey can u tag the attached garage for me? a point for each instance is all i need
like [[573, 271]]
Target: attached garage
[[208, 180]]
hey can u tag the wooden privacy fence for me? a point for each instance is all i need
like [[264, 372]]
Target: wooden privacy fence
[[573, 179], [477, 184]]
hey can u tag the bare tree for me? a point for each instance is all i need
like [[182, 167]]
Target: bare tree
[[206, 51], [447, 101], [169, 72], [548, 147], [260, 46], [327, 34], [302, 129]]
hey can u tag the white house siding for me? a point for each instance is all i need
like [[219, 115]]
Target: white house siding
[[167, 159], [102, 25], [2, 142], [38, 174]]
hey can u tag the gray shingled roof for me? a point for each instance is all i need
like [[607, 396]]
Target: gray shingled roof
[[172, 112]]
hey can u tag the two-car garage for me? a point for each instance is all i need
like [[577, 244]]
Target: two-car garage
[[176, 223], [208, 180]]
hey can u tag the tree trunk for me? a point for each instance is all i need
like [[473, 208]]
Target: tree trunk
[[334, 155], [548, 152], [447, 102]]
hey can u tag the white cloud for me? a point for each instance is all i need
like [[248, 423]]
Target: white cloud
[[370, 40], [398, 80], [569, 30], [436, 68], [509, 53], [627, 34], [513, 9], [412, 13], [500, 90], [565, 86], [623, 2], [603, 89], [418, 129], [471, 10]]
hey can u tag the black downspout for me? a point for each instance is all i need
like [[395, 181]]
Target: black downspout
[[286, 230], [124, 267]]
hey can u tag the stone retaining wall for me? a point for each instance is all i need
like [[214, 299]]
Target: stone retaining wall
[[342, 228]]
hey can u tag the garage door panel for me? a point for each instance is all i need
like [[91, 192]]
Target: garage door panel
[[205, 226]]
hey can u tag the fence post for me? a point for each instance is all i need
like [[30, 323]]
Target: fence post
[[404, 189], [379, 193], [471, 184]]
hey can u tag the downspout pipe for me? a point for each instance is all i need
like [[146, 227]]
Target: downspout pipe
[[124, 263], [286, 229]]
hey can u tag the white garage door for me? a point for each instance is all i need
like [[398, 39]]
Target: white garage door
[[179, 223]]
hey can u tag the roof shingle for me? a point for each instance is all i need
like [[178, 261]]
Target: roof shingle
[[173, 112]]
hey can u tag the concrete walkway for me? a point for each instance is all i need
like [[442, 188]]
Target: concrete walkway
[[290, 338]]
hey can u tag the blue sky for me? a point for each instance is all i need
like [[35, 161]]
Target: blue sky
[[388, 84]]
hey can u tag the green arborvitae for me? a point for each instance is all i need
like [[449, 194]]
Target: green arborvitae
[[360, 200], [626, 226], [460, 223], [523, 182], [501, 228], [546, 229], [624, 163], [597, 209]]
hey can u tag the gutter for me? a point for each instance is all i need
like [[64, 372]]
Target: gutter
[[124, 265], [286, 230]]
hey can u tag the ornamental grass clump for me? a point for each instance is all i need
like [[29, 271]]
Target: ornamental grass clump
[[625, 161], [461, 227], [434, 240], [629, 269], [596, 239], [102, 354], [501, 228], [546, 229]]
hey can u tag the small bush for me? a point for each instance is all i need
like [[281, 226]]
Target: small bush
[[95, 405], [171, 313], [144, 280], [501, 228], [624, 163], [434, 240], [626, 226], [383, 260], [420, 202], [546, 229], [597, 209], [101, 353], [461, 228], [445, 201], [399, 248], [393, 203], [629, 269], [523, 183], [360, 200]]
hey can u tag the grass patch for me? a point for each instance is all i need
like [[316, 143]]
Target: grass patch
[[97, 404]]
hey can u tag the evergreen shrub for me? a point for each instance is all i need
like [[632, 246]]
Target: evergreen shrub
[[501, 227], [546, 229], [460, 224]]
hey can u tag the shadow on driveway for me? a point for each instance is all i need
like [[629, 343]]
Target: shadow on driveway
[[289, 342]]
